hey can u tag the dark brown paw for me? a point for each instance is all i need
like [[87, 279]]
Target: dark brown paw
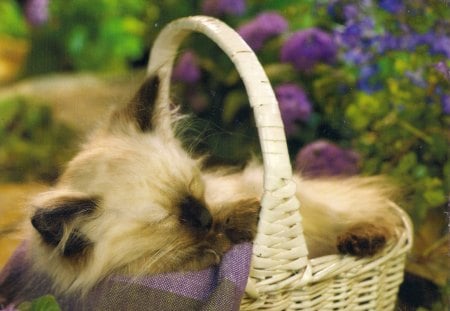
[[240, 225], [362, 240]]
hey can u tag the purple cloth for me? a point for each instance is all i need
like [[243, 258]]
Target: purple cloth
[[216, 288]]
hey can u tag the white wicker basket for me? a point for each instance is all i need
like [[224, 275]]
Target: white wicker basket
[[282, 277]]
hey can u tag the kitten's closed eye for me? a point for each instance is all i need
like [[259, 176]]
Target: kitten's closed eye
[[195, 214]]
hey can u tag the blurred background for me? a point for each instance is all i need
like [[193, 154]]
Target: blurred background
[[363, 88]]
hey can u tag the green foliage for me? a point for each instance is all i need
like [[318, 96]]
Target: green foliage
[[12, 22], [44, 303], [83, 35], [33, 145]]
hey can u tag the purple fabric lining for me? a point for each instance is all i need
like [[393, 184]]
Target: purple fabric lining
[[216, 288], [197, 285]]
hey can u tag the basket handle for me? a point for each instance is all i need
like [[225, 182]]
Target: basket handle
[[279, 247]]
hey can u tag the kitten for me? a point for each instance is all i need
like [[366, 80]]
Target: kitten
[[134, 202]]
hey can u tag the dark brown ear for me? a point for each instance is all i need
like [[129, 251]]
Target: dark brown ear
[[52, 220], [140, 111]]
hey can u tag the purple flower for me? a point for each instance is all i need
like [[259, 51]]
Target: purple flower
[[187, 69], [36, 11], [263, 27], [352, 34], [223, 7], [445, 104], [357, 56], [392, 6], [443, 69], [294, 106], [323, 158], [306, 48], [356, 33], [368, 80], [441, 45], [387, 43]]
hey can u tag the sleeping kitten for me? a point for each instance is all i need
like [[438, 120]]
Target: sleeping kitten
[[133, 201]]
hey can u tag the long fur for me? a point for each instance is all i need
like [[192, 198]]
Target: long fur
[[133, 201]]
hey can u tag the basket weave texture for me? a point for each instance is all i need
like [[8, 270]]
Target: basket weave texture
[[282, 277]]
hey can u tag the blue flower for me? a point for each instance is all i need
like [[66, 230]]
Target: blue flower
[[294, 106], [368, 80], [351, 36], [392, 6], [263, 27], [357, 33], [187, 69], [323, 158], [223, 7], [445, 104], [306, 48], [36, 11]]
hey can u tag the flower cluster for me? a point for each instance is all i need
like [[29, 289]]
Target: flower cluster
[[36, 11], [323, 158], [223, 7], [294, 106], [263, 27], [187, 69], [392, 6], [306, 48]]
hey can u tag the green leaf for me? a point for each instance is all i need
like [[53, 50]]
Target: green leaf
[[232, 104], [435, 197], [44, 303]]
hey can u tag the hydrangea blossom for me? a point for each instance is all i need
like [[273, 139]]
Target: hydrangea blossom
[[223, 7], [323, 158], [36, 11], [306, 48], [263, 27], [187, 69], [294, 106]]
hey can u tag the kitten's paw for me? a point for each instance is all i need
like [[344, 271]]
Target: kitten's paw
[[363, 240], [241, 223]]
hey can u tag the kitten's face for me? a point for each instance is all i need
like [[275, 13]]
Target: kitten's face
[[132, 201]]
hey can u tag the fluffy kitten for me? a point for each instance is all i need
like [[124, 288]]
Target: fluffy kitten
[[133, 201]]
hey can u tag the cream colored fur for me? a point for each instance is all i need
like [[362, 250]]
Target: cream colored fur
[[329, 206], [135, 228]]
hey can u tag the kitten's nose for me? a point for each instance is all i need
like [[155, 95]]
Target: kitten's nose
[[204, 220], [195, 214]]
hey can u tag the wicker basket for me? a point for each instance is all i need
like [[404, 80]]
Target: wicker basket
[[282, 277]]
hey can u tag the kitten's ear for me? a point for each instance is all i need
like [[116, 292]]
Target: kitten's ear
[[141, 111], [57, 217]]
